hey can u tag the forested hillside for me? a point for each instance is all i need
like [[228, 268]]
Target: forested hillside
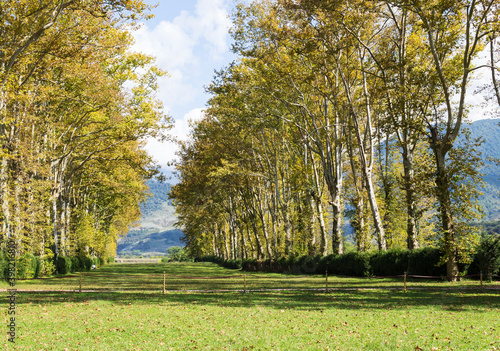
[[155, 231], [158, 197], [489, 131], [335, 111]]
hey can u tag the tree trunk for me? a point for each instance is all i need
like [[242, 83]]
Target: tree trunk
[[264, 229], [366, 164], [411, 206], [444, 198], [4, 188], [226, 245], [318, 208], [55, 210], [260, 251], [358, 223]]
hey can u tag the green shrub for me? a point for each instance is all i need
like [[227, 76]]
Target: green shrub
[[281, 265], [353, 264], [81, 263], [75, 264], [4, 265], [27, 266], [211, 258], [325, 262], [389, 263], [249, 265], [178, 254], [63, 265], [48, 266], [37, 267], [87, 263], [426, 262], [306, 264], [232, 264], [487, 257], [98, 261]]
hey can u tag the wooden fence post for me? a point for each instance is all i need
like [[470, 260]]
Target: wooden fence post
[[80, 282], [481, 279], [405, 281], [164, 282], [326, 281], [244, 283]]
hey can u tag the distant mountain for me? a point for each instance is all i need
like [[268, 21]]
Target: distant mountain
[[156, 231], [149, 242], [489, 130]]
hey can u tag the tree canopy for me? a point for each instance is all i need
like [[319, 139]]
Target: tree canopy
[[76, 107], [338, 110]]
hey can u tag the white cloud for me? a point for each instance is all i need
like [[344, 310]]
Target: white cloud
[[176, 90], [214, 25], [183, 126], [475, 100], [174, 43], [189, 48], [169, 42], [164, 152]]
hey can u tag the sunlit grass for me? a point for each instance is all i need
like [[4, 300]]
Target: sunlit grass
[[360, 319], [207, 276]]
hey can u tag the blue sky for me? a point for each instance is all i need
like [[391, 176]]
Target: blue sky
[[190, 40]]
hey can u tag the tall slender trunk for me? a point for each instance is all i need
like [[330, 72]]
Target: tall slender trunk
[[257, 197], [411, 207], [366, 156], [55, 210], [358, 223], [250, 208], [215, 246], [316, 196], [4, 188], [312, 243], [288, 231], [358, 220], [243, 246], [443, 189], [17, 208], [264, 228], [260, 251], [226, 245]]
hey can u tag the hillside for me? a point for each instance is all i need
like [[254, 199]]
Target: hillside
[[155, 232], [489, 130]]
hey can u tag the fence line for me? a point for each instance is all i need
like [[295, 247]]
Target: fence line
[[250, 277]]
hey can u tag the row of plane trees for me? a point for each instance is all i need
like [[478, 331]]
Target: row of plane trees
[[336, 111], [76, 105]]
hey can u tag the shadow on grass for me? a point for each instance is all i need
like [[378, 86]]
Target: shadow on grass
[[301, 300], [149, 279]]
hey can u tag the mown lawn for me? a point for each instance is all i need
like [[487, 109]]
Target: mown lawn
[[361, 319]]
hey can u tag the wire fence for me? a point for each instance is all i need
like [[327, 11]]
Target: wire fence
[[168, 283]]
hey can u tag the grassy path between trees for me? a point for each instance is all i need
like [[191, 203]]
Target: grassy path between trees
[[438, 316]]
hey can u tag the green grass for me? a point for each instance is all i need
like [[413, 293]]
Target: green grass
[[205, 276], [459, 318]]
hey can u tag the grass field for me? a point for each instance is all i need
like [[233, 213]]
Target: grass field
[[359, 314]]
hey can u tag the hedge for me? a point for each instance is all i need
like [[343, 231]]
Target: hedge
[[389, 263], [357, 264], [75, 264], [29, 266], [63, 264]]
